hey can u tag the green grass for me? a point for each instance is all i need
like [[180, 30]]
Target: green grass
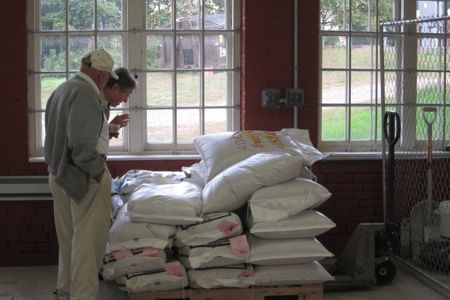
[[333, 119], [159, 93], [159, 88], [334, 122]]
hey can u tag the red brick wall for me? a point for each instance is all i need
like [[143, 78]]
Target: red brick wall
[[356, 189], [26, 232], [308, 57], [266, 61], [27, 235]]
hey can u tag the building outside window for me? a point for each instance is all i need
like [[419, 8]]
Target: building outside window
[[184, 53]]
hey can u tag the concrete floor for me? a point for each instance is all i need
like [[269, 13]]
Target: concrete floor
[[37, 283]]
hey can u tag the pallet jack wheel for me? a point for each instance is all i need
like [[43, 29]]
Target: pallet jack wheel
[[385, 272]]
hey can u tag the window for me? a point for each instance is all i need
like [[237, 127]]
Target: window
[[184, 52], [350, 108]]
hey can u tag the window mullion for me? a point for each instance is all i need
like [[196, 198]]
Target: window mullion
[[135, 49], [202, 72], [175, 77], [348, 94], [409, 96], [235, 87], [34, 98], [66, 28]]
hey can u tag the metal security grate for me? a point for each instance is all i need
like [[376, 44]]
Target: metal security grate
[[415, 84]]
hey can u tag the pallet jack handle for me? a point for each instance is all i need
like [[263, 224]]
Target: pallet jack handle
[[391, 129]]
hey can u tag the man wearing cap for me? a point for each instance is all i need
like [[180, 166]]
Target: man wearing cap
[[78, 176]]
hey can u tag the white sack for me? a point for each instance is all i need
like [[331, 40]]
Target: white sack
[[232, 188], [308, 223], [308, 174], [132, 179], [153, 281], [288, 198], [216, 254], [121, 284], [125, 234], [196, 173], [172, 204], [132, 261], [237, 276], [221, 150], [297, 274], [117, 203], [286, 251], [213, 227]]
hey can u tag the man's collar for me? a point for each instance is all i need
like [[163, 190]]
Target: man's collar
[[103, 100], [89, 79]]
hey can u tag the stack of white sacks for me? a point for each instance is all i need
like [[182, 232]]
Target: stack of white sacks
[[140, 253], [283, 226], [265, 170], [215, 251]]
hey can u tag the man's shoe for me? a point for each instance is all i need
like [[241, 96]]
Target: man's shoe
[[57, 295]]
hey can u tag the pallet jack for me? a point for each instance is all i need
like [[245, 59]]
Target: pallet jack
[[365, 259]]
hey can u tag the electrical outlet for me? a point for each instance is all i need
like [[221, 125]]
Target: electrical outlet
[[270, 98], [294, 97]]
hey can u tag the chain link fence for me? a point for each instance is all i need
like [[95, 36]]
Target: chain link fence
[[415, 85]]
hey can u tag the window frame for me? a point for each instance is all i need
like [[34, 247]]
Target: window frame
[[134, 34], [401, 10], [348, 144]]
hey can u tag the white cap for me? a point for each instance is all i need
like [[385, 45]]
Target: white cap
[[100, 60]]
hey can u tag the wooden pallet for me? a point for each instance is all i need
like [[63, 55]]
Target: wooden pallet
[[304, 292]]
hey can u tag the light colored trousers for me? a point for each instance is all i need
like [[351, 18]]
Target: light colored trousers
[[82, 229]]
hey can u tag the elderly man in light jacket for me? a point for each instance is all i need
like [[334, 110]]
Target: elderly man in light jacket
[[78, 176]]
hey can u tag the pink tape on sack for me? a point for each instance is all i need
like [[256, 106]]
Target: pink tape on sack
[[247, 273], [174, 268], [121, 254], [239, 244], [151, 252], [226, 226]]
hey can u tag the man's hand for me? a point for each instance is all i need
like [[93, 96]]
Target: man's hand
[[118, 122], [98, 178], [121, 120]]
